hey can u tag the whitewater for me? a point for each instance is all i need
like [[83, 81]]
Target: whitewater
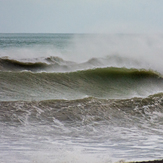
[[80, 98]]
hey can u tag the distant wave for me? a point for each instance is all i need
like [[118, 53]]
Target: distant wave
[[40, 64], [57, 64]]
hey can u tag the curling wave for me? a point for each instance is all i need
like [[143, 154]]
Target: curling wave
[[108, 82]]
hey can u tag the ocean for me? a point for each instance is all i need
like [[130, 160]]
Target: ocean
[[81, 98]]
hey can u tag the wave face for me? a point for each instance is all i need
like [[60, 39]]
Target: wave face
[[80, 98], [100, 82]]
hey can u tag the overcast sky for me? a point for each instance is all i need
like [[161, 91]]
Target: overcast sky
[[81, 16]]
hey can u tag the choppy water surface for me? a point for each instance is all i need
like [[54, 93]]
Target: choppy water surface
[[80, 98]]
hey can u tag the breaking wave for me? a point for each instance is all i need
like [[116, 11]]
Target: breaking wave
[[110, 82], [85, 110]]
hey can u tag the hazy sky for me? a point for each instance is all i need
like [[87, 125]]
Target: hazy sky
[[81, 16]]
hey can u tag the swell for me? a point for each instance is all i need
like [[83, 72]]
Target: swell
[[86, 110], [100, 82]]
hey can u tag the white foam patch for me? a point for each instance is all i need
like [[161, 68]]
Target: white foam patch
[[72, 156]]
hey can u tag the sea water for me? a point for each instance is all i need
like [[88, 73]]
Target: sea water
[[80, 98]]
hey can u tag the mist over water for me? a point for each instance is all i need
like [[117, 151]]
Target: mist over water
[[80, 98], [139, 50]]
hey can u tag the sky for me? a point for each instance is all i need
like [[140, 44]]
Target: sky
[[81, 16]]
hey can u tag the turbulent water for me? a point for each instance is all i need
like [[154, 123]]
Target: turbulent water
[[80, 98]]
